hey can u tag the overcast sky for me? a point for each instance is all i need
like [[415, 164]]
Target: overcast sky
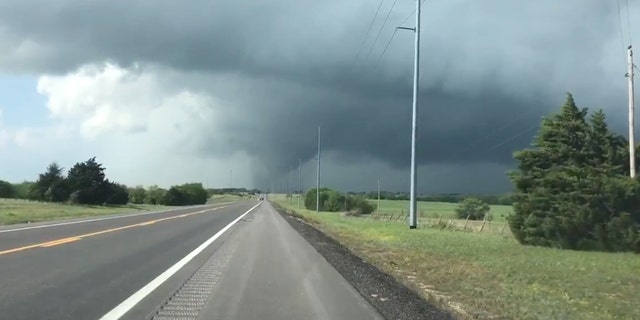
[[232, 92]]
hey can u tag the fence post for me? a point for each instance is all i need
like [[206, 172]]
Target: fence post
[[482, 227], [465, 223], [440, 220], [503, 226]]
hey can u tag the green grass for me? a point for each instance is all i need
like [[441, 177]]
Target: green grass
[[226, 198], [14, 211], [436, 209], [487, 276]]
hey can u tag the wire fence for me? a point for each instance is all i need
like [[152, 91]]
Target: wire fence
[[446, 223]]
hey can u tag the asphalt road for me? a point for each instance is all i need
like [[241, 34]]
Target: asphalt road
[[229, 262], [85, 278]]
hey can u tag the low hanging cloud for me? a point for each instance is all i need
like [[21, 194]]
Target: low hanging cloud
[[253, 80]]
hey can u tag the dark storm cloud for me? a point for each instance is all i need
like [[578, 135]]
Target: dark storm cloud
[[491, 69]]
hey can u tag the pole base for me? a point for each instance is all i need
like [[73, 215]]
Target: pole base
[[413, 227]]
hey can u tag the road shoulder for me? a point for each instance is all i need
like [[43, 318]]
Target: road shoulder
[[392, 299], [273, 273]]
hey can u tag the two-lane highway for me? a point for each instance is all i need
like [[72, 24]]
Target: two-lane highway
[[233, 261], [81, 270]]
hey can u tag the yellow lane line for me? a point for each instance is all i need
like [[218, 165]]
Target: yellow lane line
[[58, 242], [92, 234]]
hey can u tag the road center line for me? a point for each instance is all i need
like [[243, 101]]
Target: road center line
[[52, 243], [119, 216], [58, 242], [129, 303]]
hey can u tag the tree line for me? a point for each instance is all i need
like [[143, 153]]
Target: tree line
[[498, 199], [86, 183], [573, 187]]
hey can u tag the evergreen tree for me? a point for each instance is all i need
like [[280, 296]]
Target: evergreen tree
[[573, 189]]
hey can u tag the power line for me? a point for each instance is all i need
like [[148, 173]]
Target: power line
[[624, 51], [513, 137], [410, 15], [504, 126], [387, 46], [368, 30], [393, 35], [382, 28]]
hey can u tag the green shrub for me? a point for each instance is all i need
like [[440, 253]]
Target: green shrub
[[361, 205], [473, 208]]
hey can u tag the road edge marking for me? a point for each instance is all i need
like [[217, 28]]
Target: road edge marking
[[134, 299], [108, 217]]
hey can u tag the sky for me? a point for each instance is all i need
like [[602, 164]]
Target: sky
[[231, 93]]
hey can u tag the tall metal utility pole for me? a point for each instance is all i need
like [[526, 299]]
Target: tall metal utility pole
[[299, 181], [413, 221], [378, 209], [632, 143], [289, 185], [318, 176], [230, 173]]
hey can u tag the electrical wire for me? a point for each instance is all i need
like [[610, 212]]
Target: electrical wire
[[411, 14], [513, 137], [386, 47], [475, 142], [368, 31], [624, 51], [393, 35], [381, 28]]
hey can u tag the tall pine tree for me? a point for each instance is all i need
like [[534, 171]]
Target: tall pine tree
[[573, 189]]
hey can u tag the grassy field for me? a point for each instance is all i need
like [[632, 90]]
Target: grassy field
[[436, 209], [14, 211], [226, 198], [491, 277]]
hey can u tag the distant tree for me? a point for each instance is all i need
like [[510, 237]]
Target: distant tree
[[86, 180], [186, 194], [23, 189], [155, 195], [138, 195], [329, 200], [194, 193], [117, 194], [58, 191], [473, 208], [174, 197], [6, 190], [50, 185]]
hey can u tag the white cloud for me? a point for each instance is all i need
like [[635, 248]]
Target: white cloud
[[103, 98], [106, 99], [143, 127]]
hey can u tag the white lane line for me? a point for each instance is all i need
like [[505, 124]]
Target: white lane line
[[102, 219], [135, 298]]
